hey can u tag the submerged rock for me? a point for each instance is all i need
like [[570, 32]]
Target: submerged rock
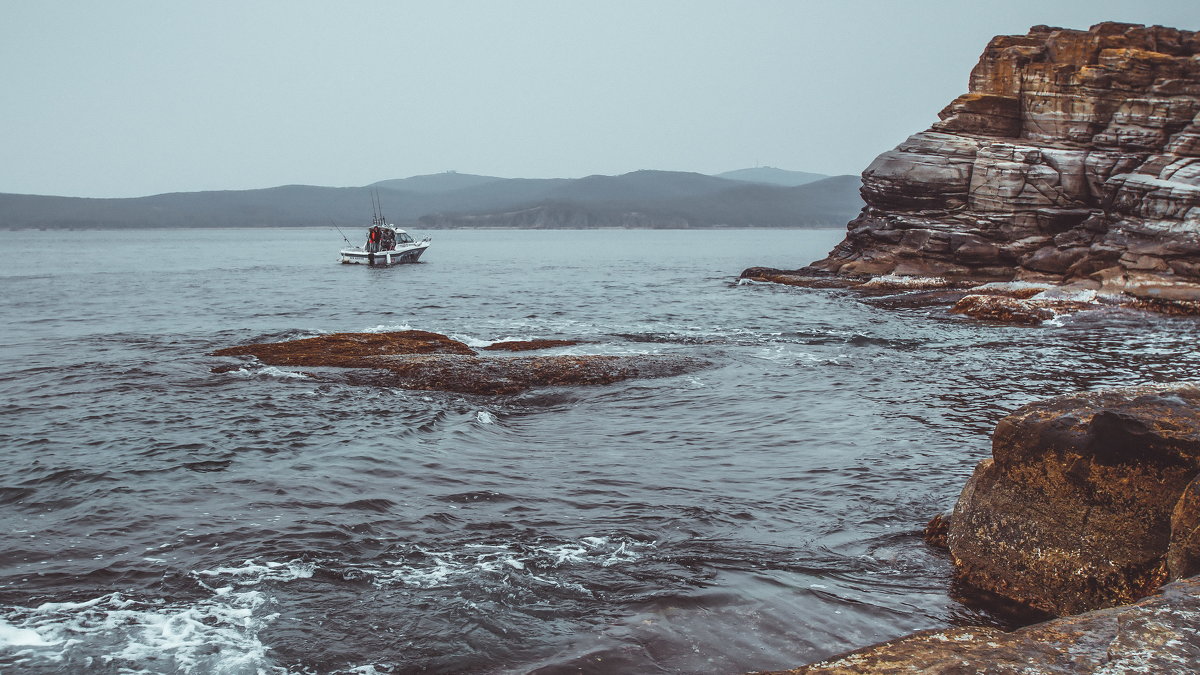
[[511, 375], [423, 360], [1013, 310], [1160, 634], [528, 345]]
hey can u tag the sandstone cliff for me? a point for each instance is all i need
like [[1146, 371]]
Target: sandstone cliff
[[1075, 156]]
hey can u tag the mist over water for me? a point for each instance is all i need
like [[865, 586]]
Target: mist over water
[[760, 513]]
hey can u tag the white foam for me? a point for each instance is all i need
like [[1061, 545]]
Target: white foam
[[1011, 286], [485, 417], [214, 635], [900, 281], [250, 573], [388, 328], [478, 343], [11, 636], [268, 371], [441, 568]]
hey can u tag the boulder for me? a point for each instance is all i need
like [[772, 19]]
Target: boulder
[[1090, 502], [1075, 510]]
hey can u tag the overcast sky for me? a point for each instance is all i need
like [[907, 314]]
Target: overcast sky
[[121, 99]]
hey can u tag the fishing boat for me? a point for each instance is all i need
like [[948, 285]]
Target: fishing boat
[[390, 245]]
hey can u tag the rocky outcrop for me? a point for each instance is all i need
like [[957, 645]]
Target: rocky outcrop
[[422, 360], [1160, 634], [1087, 501], [1075, 156]]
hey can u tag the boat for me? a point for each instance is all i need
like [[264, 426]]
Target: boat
[[395, 246]]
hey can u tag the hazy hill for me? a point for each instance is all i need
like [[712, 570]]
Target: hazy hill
[[772, 176], [638, 199], [436, 182], [831, 202]]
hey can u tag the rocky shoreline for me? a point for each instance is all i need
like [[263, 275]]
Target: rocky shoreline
[[1090, 502], [1067, 179]]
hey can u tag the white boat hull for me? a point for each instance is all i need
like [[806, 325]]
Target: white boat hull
[[400, 255]]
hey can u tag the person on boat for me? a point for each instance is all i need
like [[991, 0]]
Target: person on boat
[[388, 242], [374, 237]]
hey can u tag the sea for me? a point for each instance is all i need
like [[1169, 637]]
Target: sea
[[759, 513]]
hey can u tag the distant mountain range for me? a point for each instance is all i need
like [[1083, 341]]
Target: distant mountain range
[[759, 197]]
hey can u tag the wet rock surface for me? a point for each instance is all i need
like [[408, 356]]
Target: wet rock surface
[[430, 361], [1160, 634], [1074, 156], [1083, 499]]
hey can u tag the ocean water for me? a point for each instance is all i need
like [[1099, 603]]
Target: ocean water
[[759, 513]]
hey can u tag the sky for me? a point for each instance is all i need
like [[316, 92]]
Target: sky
[[130, 98]]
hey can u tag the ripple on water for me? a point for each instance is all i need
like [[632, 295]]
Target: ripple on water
[[164, 516]]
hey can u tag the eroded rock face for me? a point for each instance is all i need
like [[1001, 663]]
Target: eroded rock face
[[1160, 634], [1073, 153], [429, 361], [1088, 500]]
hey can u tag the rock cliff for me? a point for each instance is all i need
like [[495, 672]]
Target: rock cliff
[[1074, 157]]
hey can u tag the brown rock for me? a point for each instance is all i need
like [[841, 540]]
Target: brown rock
[[1160, 634], [936, 530], [422, 360], [347, 350], [1004, 309], [1183, 553], [528, 345], [511, 375], [1087, 138], [806, 277], [1074, 512]]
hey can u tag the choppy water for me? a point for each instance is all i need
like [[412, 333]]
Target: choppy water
[[758, 514]]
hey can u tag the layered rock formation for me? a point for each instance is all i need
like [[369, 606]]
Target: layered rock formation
[[421, 360], [1075, 156]]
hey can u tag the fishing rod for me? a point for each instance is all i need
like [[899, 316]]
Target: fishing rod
[[340, 232]]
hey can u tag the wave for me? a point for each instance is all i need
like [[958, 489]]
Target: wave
[[218, 634]]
